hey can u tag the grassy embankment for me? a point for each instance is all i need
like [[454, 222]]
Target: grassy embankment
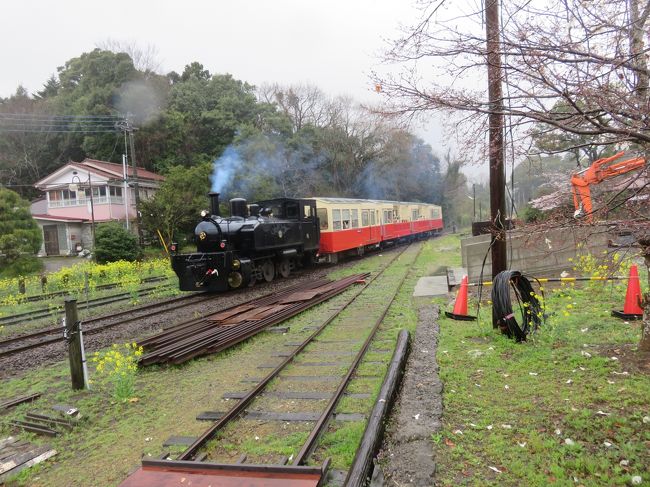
[[110, 441], [569, 407], [578, 389]]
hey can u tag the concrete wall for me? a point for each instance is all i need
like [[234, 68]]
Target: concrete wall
[[542, 253]]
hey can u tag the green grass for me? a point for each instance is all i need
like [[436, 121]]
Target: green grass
[[514, 406], [113, 436]]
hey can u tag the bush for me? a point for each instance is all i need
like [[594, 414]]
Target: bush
[[24, 265], [113, 242], [532, 215]]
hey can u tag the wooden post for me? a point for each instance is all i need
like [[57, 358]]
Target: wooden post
[[43, 282], [86, 289], [21, 285], [74, 343]]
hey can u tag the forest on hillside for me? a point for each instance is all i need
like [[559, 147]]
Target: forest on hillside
[[285, 140], [207, 131]]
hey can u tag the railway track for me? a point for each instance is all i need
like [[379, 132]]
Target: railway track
[[100, 287], [20, 318], [337, 361], [54, 334]]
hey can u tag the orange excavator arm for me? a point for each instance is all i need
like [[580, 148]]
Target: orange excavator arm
[[598, 172]]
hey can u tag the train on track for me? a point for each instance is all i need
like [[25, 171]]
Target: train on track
[[273, 237]]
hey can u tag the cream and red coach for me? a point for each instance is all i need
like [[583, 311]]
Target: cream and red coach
[[350, 225]]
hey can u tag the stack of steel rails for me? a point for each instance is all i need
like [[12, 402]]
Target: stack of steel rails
[[219, 331]]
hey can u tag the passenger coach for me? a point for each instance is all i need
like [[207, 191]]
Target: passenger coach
[[353, 225]]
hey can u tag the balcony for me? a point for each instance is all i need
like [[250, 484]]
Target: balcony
[[97, 200]]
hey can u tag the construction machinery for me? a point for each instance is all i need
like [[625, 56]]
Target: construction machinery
[[599, 171]]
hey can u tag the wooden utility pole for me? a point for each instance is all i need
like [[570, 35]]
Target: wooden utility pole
[[136, 185], [497, 170], [73, 337]]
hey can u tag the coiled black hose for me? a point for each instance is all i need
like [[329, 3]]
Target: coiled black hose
[[531, 308]]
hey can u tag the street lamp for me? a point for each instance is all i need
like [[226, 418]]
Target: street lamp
[[73, 187]]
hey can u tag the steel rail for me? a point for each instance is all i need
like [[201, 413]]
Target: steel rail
[[97, 329], [325, 417], [212, 337], [101, 287], [191, 450], [92, 303], [57, 329]]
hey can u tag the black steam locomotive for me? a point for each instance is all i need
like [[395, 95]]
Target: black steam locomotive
[[257, 242]]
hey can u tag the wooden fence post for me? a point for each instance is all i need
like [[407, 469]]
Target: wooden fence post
[[74, 343]]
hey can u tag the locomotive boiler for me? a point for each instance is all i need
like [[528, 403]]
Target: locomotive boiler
[[256, 242]]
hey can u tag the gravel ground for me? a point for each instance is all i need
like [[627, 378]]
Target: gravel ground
[[16, 365], [406, 457]]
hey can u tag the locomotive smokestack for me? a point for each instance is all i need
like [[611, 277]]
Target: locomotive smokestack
[[214, 203]]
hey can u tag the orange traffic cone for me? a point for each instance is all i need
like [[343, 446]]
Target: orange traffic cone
[[460, 307], [632, 309]]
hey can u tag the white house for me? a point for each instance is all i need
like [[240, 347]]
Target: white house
[[79, 193]]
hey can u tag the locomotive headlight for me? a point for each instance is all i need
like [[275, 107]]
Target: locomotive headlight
[[204, 213], [236, 264]]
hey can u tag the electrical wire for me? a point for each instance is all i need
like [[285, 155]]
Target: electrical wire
[[43, 123], [532, 309]]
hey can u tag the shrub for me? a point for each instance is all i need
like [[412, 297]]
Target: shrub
[[532, 215], [118, 367], [113, 242], [24, 265]]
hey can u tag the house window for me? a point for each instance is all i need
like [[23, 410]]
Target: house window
[[99, 191], [322, 217], [336, 220], [355, 218]]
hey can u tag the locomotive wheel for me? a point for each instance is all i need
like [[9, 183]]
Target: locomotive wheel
[[268, 270], [235, 280], [284, 268]]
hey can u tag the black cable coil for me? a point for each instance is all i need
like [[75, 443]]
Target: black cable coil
[[531, 308]]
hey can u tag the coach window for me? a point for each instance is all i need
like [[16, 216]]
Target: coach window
[[414, 215], [306, 212], [355, 218], [364, 218], [388, 216], [336, 219], [322, 218], [372, 218], [346, 219]]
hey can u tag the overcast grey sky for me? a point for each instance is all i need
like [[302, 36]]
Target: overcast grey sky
[[331, 44]]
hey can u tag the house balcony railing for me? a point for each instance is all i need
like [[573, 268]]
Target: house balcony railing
[[97, 200]]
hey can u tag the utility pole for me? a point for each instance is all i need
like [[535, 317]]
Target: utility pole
[[497, 170], [136, 185]]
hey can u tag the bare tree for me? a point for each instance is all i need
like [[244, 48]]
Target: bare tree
[[568, 67], [145, 59], [568, 64]]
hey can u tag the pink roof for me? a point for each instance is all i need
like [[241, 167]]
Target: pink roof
[[114, 169], [61, 218]]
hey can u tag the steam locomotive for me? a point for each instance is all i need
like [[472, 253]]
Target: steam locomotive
[[255, 243], [273, 237]]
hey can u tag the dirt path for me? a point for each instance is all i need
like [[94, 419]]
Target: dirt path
[[406, 457]]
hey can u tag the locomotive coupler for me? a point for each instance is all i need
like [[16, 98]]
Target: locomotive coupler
[[207, 276]]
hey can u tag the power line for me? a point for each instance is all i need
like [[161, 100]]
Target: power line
[[40, 123]]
